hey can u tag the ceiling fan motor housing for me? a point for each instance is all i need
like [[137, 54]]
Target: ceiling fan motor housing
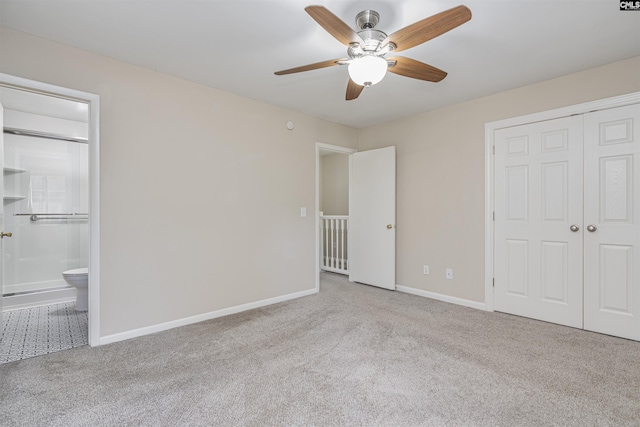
[[367, 19], [372, 38], [366, 22]]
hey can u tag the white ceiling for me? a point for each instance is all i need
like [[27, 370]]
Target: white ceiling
[[237, 45]]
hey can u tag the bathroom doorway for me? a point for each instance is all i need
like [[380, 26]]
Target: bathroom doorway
[[50, 219]]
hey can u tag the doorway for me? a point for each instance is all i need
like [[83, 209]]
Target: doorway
[[72, 236], [332, 208], [371, 221]]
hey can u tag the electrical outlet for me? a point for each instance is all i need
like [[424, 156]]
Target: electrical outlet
[[303, 212], [425, 269], [449, 273]]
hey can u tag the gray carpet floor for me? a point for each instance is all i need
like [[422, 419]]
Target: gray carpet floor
[[350, 355]]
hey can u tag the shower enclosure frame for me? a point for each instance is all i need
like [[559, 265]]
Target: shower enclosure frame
[[93, 101]]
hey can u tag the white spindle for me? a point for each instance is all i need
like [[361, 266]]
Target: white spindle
[[346, 258], [326, 242], [333, 260], [321, 241], [342, 258], [334, 250]]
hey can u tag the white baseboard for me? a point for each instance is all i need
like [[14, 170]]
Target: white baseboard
[[441, 297], [201, 317]]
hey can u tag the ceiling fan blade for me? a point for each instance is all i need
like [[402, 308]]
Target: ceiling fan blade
[[334, 25], [416, 70], [317, 65], [353, 90], [429, 28]]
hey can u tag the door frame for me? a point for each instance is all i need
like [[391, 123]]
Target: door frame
[[489, 167], [337, 150], [94, 184]]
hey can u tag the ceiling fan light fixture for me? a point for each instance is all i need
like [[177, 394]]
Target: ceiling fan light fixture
[[368, 70], [368, 47]]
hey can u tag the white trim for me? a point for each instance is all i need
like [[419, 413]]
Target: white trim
[[338, 150], [602, 104], [94, 185], [490, 128], [201, 317], [488, 217], [442, 297], [335, 148]]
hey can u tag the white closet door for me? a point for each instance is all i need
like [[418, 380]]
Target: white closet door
[[612, 215], [538, 198], [1, 214]]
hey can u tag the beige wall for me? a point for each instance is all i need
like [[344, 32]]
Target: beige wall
[[201, 212], [440, 164], [200, 189], [335, 184]]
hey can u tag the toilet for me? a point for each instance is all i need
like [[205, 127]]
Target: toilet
[[79, 279]]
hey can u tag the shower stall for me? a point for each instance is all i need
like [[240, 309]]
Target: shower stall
[[45, 197]]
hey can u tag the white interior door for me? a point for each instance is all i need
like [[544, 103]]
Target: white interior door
[[612, 216], [372, 217], [1, 214], [538, 221]]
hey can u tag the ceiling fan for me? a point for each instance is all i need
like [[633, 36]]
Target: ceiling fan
[[367, 49]]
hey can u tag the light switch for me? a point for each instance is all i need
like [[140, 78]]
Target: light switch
[[303, 212]]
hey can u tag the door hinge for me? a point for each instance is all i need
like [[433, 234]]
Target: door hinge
[[493, 282], [493, 149], [494, 215]]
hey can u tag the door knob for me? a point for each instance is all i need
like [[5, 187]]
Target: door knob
[[389, 226], [574, 228], [3, 234], [592, 228]]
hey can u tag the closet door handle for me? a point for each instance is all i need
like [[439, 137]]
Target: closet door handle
[[3, 234], [592, 228], [574, 228]]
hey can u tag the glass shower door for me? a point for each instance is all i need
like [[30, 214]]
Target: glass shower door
[[46, 207]]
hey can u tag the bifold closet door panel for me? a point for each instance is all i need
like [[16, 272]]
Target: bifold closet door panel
[[538, 221], [612, 222]]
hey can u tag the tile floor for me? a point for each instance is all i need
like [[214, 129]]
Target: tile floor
[[42, 330]]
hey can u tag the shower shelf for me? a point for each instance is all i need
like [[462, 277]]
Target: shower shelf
[[8, 169], [12, 197]]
